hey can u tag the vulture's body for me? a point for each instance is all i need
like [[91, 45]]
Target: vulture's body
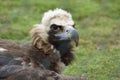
[[46, 56]]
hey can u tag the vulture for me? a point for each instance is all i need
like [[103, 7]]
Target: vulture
[[48, 53]]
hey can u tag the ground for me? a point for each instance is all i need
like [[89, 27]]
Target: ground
[[98, 23]]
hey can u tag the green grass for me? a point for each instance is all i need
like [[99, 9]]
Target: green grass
[[98, 23]]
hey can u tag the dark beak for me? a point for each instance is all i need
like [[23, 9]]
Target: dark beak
[[70, 34]]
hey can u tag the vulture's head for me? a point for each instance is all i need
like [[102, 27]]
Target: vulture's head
[[56, 28]]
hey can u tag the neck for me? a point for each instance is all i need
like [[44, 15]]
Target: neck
[[51, 61], [65, 49]]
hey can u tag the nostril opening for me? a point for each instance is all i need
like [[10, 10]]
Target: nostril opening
[[67, 31]]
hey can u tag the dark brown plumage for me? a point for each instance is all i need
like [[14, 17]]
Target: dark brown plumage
[[46, 56], [28, 73]]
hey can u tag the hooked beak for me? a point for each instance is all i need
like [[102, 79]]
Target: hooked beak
[[70, 34]]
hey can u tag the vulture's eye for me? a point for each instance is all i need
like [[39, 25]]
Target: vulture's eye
[[55, 27]]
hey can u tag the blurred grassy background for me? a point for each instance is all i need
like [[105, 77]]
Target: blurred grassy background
[[98, 22]]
